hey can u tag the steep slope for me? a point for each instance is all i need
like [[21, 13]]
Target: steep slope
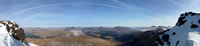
[[12, 35], [6, 39], [185, 33]]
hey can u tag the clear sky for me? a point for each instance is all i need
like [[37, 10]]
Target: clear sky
[[62, 13]]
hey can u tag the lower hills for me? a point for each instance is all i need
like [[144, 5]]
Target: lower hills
[[94, 36]]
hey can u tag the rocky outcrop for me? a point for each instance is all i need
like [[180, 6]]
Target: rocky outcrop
[[15, 31]]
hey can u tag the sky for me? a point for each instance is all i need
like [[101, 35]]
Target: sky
[[87, 13]]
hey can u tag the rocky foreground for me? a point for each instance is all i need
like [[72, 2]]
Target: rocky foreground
[[12, 35]]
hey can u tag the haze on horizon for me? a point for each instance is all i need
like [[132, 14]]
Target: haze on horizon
[[61, 13]]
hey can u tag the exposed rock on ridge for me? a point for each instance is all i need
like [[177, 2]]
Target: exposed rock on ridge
[[14, 31], [184, 33]]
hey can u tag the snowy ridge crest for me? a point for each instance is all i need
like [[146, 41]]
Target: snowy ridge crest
[[11, 34], [185, 33]]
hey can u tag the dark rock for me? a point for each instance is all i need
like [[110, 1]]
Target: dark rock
[[174, 33], [194, 26]]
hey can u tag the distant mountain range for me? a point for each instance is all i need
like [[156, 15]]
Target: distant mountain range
[[118, 36]]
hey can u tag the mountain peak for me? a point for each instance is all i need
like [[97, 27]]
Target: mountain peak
[[185, 33], [188, 17]]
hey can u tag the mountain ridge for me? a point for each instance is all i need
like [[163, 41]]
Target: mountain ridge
[[184, 33]]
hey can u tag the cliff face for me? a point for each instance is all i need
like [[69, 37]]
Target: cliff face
[[11, 34], [184, 33]]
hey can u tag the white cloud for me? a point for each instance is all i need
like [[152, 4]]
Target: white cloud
[[178, 4], [128, 6], [33, 16], [188, 5], [42, 6]]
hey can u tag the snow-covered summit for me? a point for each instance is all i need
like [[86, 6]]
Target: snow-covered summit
[[185, 33], [12, 35]]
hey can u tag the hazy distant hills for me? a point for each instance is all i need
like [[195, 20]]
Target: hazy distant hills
[[117, 36]]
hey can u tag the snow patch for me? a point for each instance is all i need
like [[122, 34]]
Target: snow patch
[[195, 37]]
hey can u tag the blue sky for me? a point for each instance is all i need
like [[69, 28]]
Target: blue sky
[[65, 13]]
